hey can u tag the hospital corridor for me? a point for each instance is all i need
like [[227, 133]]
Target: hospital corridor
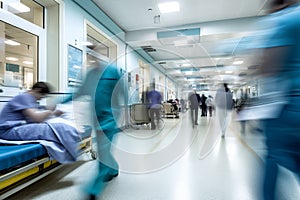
[[177, 162], [149, 100]]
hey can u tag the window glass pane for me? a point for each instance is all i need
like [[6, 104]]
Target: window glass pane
[[97, 46], [26, 9], [18, 65]]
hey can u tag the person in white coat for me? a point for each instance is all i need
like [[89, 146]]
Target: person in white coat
[[224, 103]]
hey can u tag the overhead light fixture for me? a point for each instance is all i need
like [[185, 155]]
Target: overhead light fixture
[[186, 65], [86, 43], [169, 7], [188, 72], [238, 62], [228, 72], [179, 37], [17, 5], [12, 58], [28, 62], [12, 43]]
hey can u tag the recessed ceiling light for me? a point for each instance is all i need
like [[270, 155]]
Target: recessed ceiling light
[[86, 43], [27, 62], [11, 42], [169, 7], [188, 72], [186, 64], [19, 7], [12, 58], [238, 62]]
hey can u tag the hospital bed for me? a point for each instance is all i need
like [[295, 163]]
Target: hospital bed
[[169, 110], [22, 163]]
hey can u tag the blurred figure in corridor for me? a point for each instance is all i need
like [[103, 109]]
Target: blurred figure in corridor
[[281, 67], [103, 84], [278, 107], [194, 99], [224, 104], [154, 98]]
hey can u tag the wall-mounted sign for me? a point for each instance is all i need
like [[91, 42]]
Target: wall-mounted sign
[[74, 65]]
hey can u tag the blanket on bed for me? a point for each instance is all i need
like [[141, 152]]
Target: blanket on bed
[[60, 139]]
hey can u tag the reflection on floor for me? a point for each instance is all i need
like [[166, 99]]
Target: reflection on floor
[[177, 162]]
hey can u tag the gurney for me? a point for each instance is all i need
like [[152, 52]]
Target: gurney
[[169, 110], [25, 163]]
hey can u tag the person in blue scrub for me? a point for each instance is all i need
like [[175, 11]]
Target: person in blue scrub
[[103, 84], [154, 98], [279, 73], [22, 118]]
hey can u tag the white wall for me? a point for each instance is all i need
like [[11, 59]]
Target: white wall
[[74, 33]]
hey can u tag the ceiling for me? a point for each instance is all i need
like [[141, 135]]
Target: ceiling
[[196, 60]]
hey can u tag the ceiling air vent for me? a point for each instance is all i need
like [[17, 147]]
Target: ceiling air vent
[[181, 37], [148, 48], [162, 63]]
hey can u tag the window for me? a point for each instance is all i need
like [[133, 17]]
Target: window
[[18, 65], [27, 9], [100, 46]]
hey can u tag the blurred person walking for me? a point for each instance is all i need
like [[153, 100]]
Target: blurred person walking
[[224, 103], [103, 85], [203, 106], [194, 99], [279, 73], [210, 104], [154, 98]]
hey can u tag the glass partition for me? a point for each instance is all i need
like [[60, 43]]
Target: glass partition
[[27, 9], [18, 59]]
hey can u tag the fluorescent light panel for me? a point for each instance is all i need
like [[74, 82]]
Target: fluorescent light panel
[[12, 43], [186, 65], [189, 72], [12, 58], [27, 62], [169, 7], [238, 62], [20, 7], [86, 43]]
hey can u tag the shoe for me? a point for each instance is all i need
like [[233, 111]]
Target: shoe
[[92, 197], [196, 123], [109, 177], [223, 136]]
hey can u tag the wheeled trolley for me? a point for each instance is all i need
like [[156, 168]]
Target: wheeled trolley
[[169, 110], [139, 114]]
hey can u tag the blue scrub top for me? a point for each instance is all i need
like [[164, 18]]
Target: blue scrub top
[[11, 115]]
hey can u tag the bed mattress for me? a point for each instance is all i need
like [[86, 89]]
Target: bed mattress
[[13, 155]]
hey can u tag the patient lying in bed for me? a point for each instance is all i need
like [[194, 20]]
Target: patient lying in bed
[[21, 119]]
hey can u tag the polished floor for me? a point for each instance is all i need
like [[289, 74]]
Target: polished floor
[[177, 162]]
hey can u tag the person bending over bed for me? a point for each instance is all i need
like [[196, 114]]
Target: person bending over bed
[[22, 119]]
